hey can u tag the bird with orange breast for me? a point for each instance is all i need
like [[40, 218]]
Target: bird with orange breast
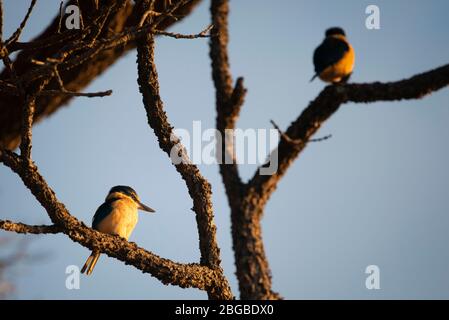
[[117, 216], [334, 57]]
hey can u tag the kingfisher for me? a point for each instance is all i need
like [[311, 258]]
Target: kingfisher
[[334, 57], [117, 216]]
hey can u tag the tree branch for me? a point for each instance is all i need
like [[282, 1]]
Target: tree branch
[[167, 271], [229, 99], [27, 122], [206, 276], [329, 101], [199, 188], [91, 51], [19, 227], [253, 272], [260, 187], [28, 109], [76, 94], [202, 34], [49, 42], [247, 201], [15, 36], [296, 142]]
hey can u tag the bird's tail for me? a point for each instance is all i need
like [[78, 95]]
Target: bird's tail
[[313, 78], [91, 262]]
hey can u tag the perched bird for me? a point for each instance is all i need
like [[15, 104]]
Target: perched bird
[[334, 57], [118, 216]]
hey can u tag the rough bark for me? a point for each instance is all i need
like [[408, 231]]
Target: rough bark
[[253, 273], [199, 188], [19, 227]]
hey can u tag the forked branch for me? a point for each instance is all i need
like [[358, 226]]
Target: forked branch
[[198, 187], [247, 200]]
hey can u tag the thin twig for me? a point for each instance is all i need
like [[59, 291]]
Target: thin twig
[[285, 136], [81, 15], [151, 13], [62, 90], [15, 36], [9, 65], [202, 34], [1, 21], [121, 39], [100, 23], [169, 12], [53, 40], [11, 89], [297, 142], [7, 86], [58, 78], [76, 94], [147, 13], [60, 17], [321, 139]]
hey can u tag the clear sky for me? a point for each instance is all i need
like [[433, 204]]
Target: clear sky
[[375, 193]]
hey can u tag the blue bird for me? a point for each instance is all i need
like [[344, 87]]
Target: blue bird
[[118, 216], [334, 57]]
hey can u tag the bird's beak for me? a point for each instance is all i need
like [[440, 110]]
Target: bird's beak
[[145, 208]]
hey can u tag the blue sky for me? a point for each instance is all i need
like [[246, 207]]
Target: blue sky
[[375, 193]]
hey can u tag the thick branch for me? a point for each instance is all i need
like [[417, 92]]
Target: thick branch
[[50, 42], [229, 99], [19, 227], [28, 111], [253, 271], [247, 204], [329, 101], [27, 122], [199, 188]]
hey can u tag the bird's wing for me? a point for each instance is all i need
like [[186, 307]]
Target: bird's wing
[[328, 53], [101, 213]]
